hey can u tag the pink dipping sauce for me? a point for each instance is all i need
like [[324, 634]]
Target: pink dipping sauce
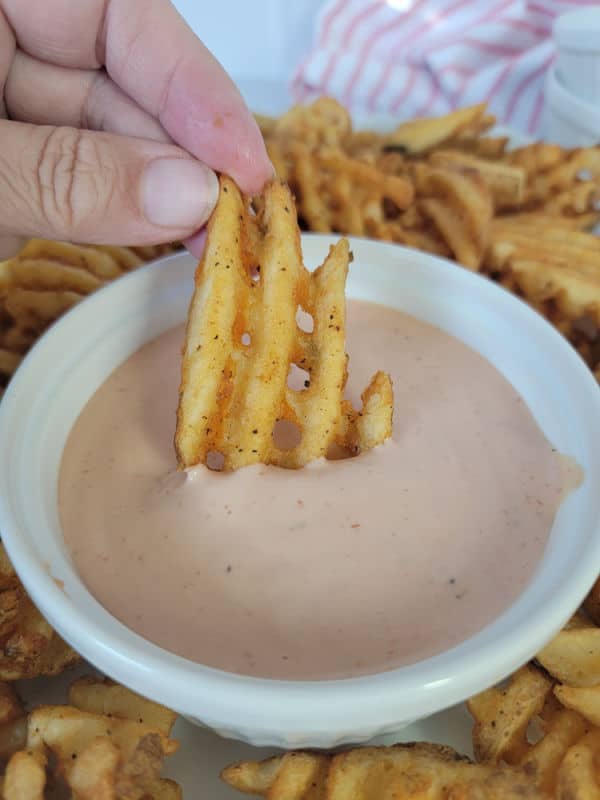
[[339, 569]]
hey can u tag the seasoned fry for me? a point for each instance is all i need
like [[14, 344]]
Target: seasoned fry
[[458, 202], [242, 339], [573, 656], [503, 715], [107, 697], [586, 701], [506, 183], [47, 278], [403, 771], [98, 756], [578, 774], [421, 135], [28, 645], [25, 777]]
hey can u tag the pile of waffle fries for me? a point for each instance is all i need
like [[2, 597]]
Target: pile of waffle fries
[[535, 737], [107, 743], [451, 187], [46, 279]]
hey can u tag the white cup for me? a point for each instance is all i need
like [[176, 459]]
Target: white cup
[[567, 120], [577, 37]]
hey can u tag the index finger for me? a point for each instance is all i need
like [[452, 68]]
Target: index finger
[[150, 52]]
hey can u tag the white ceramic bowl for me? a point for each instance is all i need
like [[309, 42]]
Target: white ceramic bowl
[[568, 120], [78, 353]]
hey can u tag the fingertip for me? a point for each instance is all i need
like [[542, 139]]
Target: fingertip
[[195, 244], [252, 168]]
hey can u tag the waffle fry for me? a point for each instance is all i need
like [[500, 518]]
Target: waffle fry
[[506, 183], [480, 184], [421, 135], [233, 389], [555, 268], [573, 656], [547, 723], [47, 278], [28, 645], [503, 715], [458, 203], [115, 754], [403, 771]]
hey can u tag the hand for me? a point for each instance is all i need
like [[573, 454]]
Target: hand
[[112, 117]]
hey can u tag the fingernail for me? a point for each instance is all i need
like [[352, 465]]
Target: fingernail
[[179, 193]]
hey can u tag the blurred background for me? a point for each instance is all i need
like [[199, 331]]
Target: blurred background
[[260, 44], [406, 58]]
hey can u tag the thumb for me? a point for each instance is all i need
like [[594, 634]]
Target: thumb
[[64, 183]]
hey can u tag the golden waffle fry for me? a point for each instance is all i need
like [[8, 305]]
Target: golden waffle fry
[[555, 268], [506, 183], [560, 729], [47, 278], [325, 121], [421, 135], [242, 339], [98, 756], [490, 147], [107, 697], [573, 656], [340, 194], [459, 204], [25, 777], [502, 715], [405, 771], [28, 645], [574, 165], [578, 777], [586, 701], [580, 200]]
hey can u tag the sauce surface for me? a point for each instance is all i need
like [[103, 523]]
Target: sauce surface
[[336, 570]]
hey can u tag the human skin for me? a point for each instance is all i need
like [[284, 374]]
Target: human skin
[[114, 118]]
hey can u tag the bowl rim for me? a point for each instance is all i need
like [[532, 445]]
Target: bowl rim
[[320, 707], [574, 110]]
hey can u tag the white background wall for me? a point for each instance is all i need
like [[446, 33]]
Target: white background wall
[[259, 42]]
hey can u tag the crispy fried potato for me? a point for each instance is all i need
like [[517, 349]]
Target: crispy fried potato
[[556, 269], [107, 697], [29, 647], [47, 278], [560, 730], [502, 715], [66, 730], [506, 183], [586, 701], [573, 656], [96, 756], [421, 135], [325, 121], [459, 204], [427, 772], [25, 777], [234, 389], [579, 776]]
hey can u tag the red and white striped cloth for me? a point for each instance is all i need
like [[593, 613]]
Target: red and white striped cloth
[[425, 57]]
